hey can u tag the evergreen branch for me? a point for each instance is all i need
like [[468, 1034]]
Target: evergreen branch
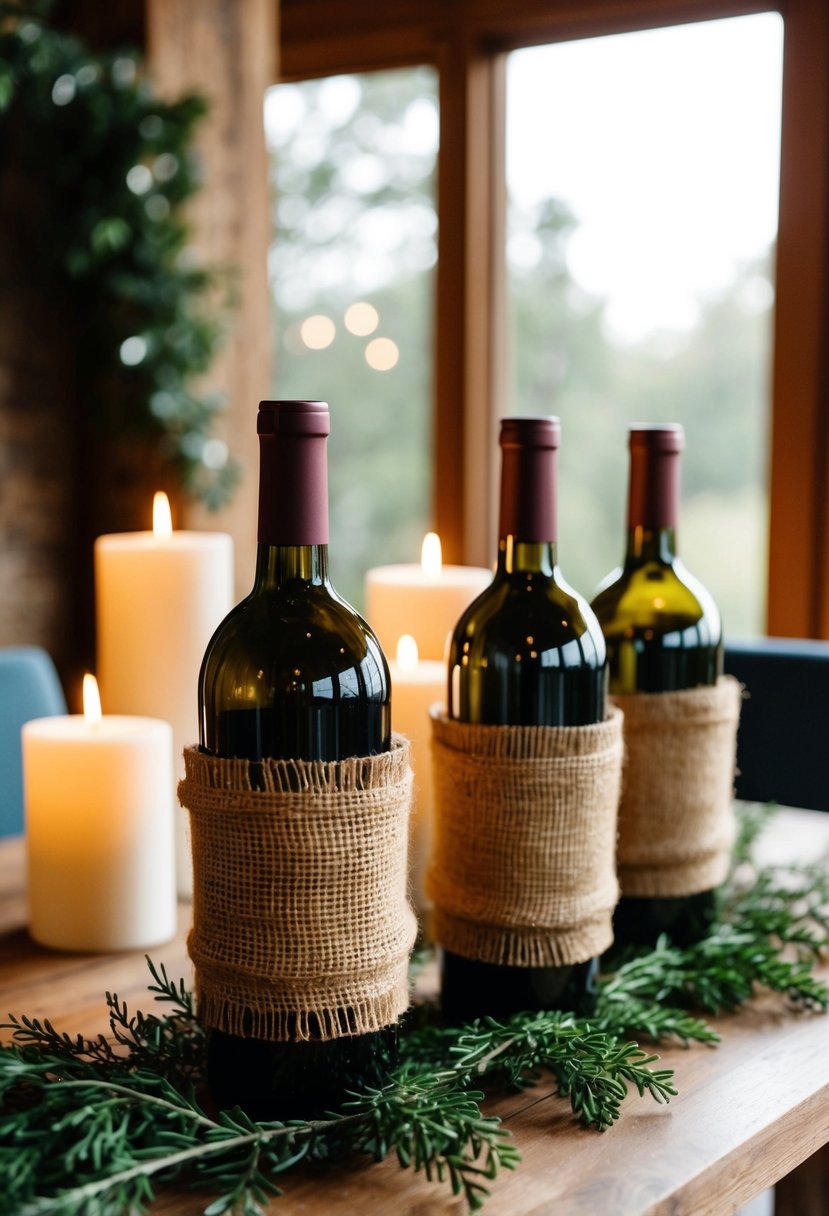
[[171, 1046], [433, 1123], [623, 1009], [591, 1065], [651, 994], [115, 1136]]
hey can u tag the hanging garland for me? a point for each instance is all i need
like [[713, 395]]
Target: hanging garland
[[89, 1126], [107, 166]]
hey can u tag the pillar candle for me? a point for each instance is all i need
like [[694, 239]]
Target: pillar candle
[[416, 684], [159, 596], [424, 601], [99, 832]]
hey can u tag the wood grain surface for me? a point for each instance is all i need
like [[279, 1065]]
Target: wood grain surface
[[748, 1111]]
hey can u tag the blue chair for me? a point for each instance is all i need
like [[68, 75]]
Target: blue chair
[[784, 724], [29, 688]]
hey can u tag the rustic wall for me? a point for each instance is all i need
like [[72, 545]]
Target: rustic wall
[[61, 482], [37, 450], [227, 49]]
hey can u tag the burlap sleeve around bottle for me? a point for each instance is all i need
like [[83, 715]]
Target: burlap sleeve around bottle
[[676, 821], [301, 923], [523, 866]]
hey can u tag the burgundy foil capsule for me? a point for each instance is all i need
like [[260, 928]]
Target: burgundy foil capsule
[[528, 478], [653, 491], [293, 501]]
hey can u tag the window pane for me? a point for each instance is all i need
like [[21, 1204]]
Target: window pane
[[351, 270], [643, 179]]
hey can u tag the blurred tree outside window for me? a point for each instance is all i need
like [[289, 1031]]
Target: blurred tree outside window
[[352, 282], [643, 173]]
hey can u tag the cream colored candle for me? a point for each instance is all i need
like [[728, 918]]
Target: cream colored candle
[[424, 601], [159, 597], [416, 684], [99, 831]]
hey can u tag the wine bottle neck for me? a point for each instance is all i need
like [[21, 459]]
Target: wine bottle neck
[[278, 566], [526, 557], [650, 545], [653, 494]]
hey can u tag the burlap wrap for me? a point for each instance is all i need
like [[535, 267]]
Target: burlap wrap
[[301, 924], [523, 865], [676, 821]]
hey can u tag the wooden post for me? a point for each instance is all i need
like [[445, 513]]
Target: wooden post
[[227, 50], [469, 340], [798, 601]]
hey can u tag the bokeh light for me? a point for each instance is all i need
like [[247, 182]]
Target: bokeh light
[[361, 319], [317, 331], [382, 354]]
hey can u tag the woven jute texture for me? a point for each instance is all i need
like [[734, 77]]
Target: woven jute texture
[[301, 923], [523, 869], [676, 819]]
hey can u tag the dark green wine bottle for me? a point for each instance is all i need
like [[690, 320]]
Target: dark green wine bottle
[[663, 634], [527, 652], [294, 673]]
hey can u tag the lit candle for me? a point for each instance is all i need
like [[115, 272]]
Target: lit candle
[[99, 829], [416, 684], [423, 600], [159, 597]]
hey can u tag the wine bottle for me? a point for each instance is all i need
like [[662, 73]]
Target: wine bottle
[[293, 672], [663, 634], [527, 652]]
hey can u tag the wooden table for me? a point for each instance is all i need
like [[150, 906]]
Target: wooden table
[[748, 1111]]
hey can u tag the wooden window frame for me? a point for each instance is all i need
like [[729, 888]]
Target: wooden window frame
[[467, 41]]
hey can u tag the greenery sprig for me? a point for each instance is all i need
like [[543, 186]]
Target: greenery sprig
[[89, 1126], [105, 167], [590, 1066]]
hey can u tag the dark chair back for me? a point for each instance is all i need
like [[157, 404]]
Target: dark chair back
[[783, 740]]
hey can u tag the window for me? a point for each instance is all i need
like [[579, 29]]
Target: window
[[468, 44], [351, 270]]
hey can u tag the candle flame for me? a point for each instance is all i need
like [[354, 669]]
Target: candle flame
[[91, 701], [431, 555], [162, 519], [407, 653]]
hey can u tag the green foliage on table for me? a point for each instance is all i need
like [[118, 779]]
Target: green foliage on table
[[88, 1126], [104, 167]]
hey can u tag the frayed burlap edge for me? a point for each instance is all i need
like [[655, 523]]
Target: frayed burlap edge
[[676, 818], [522, 869], [324, 1015], [301, 924]]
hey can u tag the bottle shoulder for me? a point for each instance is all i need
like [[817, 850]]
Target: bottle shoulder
[[529, 613], [656, 596], [285, 635]]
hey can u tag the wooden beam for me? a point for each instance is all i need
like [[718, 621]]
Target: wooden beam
[[227, 50], [521, 23], [324, 37], [327, 37]]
